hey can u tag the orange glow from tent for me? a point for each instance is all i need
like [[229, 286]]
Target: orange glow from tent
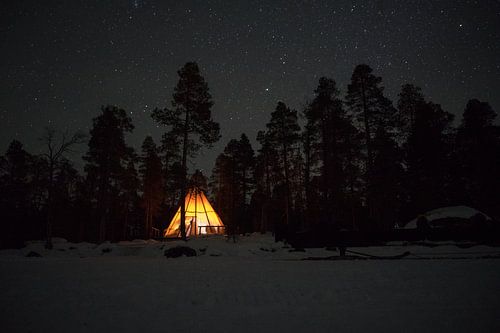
[[201, 218]]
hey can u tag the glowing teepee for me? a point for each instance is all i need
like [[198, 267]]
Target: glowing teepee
[[201, 218]]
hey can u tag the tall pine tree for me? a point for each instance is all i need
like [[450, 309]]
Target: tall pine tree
[[107, 157], [151, 175], [283, 135], [410, 102], [172, 175], [478, 149], [387, 180], [190, 119], [130, 201], [266, 167], [16, 186], [427, 156], [373, 111], [332, 138]]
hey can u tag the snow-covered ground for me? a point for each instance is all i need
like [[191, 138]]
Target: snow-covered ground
[[252, 285]]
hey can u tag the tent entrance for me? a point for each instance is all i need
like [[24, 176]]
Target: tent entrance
[[201, 218]]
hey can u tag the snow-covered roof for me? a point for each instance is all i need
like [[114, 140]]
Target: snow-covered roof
[[447, 212]]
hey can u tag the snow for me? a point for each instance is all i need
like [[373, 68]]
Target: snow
[[252, 285], [445, 212]]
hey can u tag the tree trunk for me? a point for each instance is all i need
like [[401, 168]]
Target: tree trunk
[[103, 211], [326, 170], [184, 176], [307, 175], [125, 224], [146, 220], [165, 181], [368, 150], [367, 127], [48, 243], [102, 226], [268, 192], [287, 187], [244, 187]]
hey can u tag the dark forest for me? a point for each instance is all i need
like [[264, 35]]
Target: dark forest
[[349, 160]]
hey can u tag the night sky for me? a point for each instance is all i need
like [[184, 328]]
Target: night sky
[[62, 60]]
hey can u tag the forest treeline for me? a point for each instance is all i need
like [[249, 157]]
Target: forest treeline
[[350, 160]]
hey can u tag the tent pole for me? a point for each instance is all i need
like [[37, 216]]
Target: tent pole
[[196, 210], [189, 201], [205, 209]]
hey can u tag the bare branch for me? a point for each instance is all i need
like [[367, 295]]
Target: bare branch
[[65, 145]]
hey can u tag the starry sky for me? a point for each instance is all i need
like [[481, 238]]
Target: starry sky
[[62, 60]]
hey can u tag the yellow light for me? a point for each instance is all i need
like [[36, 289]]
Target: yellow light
[[201, 218]]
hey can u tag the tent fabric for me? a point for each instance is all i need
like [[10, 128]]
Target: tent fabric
[[201, 218]]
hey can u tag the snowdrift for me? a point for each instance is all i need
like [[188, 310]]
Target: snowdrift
[[463, 213]]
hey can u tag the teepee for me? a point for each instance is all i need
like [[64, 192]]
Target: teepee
[[201, 218]]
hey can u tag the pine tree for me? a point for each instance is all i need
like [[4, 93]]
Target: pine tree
[[410, 102], [170, 154], [266, 164], [367, 103], [283, 135], [198, 180], [106, 159], [232, 179], [15, 200], [130, 200], [85, 210], [332, 146], [308, 138], [372, 110], [218, 185], [151, 174], [190, 119], [427, 153], [478, 149], [387, 180], [246, 163], [64, 194], [477, 116], [266, 167]]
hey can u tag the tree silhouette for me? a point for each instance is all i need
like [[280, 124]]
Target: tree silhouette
[[366, 101], [151, 174], [219, 185], [198, 180], [64, 196], [283, 135], [16, 186], [478, 149], [190, 119], [231, 182], [55, 151], [172, 173], [427, 153], [246, 156], [107, 158], [409, 103], [332, 139], [308, 138], [386, 182], [130, 200]]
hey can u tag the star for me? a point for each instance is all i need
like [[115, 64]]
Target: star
[[129, 55]]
